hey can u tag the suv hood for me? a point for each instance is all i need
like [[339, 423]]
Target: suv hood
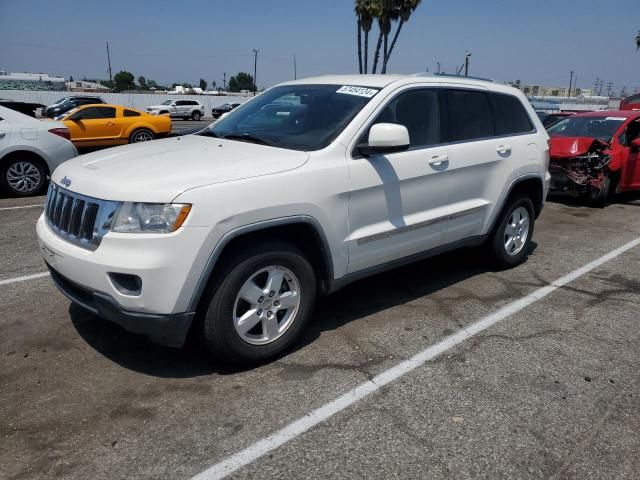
[[158, 107], [161, 170]]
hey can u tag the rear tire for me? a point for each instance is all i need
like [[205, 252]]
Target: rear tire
[[141, 135], [510, 241], [23, 174], [247, 322], [196, 115]]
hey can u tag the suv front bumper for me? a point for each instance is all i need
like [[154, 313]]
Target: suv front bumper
[[165, 265], [170, 330]]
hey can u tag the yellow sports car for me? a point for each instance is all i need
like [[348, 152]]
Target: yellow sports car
[[104, 125]]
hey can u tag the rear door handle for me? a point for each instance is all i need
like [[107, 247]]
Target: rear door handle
[[503, 149], [438, 160]]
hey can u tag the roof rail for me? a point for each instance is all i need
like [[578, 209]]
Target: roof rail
[[449, 75]]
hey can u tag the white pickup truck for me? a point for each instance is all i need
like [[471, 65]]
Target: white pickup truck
[[231, 233], [185, 109]]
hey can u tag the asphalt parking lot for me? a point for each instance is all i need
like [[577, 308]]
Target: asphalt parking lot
[[548, 390]]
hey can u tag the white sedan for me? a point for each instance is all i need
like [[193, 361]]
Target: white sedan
[[30, 150]]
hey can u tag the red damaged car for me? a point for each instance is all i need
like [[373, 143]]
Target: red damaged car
[[596, 154]]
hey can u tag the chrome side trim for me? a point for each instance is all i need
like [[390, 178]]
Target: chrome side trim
[[409, 228]]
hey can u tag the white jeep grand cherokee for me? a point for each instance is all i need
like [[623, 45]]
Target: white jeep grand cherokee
[[311, 185]]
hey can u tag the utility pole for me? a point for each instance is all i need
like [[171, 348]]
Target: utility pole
[[466, 63], [595, 86], [295, 69], [609, 88], [255, 70], [570, 83], [224, 81], [438, 63], [109, 63], [575, 83]]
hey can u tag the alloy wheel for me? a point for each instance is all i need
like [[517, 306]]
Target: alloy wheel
[[24, 177], [266, 305], [516, 231]]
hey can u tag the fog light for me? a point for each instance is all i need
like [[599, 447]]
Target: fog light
[[126, 284]]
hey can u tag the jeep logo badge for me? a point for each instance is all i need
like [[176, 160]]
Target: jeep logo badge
[[65, 181]]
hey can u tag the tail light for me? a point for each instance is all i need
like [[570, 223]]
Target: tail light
[[61, 132]]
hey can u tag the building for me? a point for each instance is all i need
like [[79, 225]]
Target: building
[[85, 86], [31, 81], [532, 90]]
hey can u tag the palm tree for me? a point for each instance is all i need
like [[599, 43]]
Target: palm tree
[[366, 10], [385, 15], [405, 8]]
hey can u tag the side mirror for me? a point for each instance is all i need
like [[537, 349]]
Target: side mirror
[[635, 144], [385, 138]]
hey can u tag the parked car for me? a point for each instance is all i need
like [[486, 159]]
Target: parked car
[[549, 119], [29, 151], [66, 104], [217, 112], [596, 154], [26, 108], [185, 109], [631, 102], [107, 125], [241, 225]]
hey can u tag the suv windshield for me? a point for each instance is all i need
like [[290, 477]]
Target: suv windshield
[[297, 117], [602, 128], [167, 102]]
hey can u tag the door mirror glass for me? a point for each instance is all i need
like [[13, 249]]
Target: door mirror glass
[[385, 138]]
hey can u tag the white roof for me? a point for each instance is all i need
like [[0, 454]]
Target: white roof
[[381, 81]]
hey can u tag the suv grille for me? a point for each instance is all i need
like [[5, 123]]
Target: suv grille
[[76, 218]]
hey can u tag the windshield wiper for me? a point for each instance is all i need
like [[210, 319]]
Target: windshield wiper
[[208, 133], [247, 137]]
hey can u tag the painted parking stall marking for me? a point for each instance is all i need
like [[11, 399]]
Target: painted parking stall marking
[[25, 278], [21, 207], [315, 417]]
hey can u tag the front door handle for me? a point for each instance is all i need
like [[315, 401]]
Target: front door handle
[[503, 149], [438, 160], [2, 134]]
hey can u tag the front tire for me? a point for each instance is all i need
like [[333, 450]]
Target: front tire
[[510, 241], [259, 304], [23, 174]]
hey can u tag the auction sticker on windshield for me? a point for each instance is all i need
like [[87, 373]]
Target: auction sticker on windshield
[[359, 91]]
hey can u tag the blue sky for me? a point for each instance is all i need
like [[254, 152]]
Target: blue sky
[[536, 41]]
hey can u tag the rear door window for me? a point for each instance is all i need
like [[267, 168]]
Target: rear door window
[[510, 116], [467, 115]]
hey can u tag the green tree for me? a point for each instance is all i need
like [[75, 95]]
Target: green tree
[[386, 13], [638, 41], [108, 83], [203, 84], [365, 10], [241, 81], [405, 9], [124, 80], [71, 78], [143, 83], [214, 84]]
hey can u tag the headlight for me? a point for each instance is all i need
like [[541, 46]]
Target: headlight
[[150, 217]]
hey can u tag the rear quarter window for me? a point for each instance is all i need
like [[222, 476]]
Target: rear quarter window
[[511, 118], [130, 113]]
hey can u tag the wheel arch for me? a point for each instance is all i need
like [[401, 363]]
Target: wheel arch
[[303, 231], [20, 150], [531, 185]]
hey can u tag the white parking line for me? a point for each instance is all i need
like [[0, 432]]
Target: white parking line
[[310, 420], [24, 279], [18, 208]]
